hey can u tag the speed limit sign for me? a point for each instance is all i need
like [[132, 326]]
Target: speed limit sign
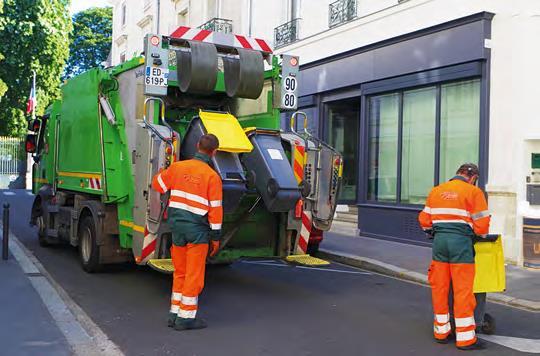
[[289, 82]]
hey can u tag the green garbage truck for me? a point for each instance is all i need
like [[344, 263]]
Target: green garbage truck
[[97, 148]]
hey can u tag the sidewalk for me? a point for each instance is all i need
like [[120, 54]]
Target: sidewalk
[[26, 327], [411, 262]]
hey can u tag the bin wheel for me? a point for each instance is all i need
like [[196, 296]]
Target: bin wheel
[[488, 325], [88, 248]]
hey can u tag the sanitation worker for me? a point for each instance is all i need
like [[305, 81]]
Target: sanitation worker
[[195, 215], [455, 212]]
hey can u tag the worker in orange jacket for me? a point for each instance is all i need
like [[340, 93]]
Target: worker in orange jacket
[[195, 215], [455, 212]]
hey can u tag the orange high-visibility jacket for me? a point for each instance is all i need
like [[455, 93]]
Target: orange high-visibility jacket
[[195, 188], [456, 202]]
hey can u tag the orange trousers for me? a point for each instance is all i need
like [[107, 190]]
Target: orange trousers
[[461, 276], [188, 279]]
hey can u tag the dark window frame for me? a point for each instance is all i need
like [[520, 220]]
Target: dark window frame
[[436, 78], [353, 94]]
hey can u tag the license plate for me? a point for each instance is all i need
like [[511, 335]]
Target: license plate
[[156, 76]]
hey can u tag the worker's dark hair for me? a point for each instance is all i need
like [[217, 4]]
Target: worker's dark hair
[[468, 169], [208, 143]]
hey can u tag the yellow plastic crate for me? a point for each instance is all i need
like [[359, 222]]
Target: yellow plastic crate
[[226, 127], [490, 275]]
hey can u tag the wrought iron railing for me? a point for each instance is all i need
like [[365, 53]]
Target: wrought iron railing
[[341, 11], [218, 25], [286, 33]]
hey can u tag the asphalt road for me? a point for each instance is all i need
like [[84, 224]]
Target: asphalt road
[[259, 308]]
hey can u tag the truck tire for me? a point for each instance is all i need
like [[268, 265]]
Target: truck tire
[[88, 248], [38, 210], [42, 234]]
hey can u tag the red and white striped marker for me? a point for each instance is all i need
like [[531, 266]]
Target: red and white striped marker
[[305, 232], [223, 39], [149, 246], [94, 183]]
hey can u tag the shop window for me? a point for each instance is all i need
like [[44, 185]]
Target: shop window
[[460, 127], [383, 147], [418, 144], [342, 129], [404, 141]]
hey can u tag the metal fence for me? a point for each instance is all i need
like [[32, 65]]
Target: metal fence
[[218, 25], [286, 33], [341, 11], [12, 162]]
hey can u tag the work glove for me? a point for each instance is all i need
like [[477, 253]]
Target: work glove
[[429, 234], [214, 247]]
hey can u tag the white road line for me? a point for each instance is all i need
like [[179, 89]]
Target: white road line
[[282, 264], [7, 192], [332, 270], [516, 343], [264, 264], [62, 308]]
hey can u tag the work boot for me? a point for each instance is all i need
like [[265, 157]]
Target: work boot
[[171, 320], [478, 345], [449, 338], [189, 324]]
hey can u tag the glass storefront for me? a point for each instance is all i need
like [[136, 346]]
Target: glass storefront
[[418, 144], [342, 130], [460, 129], [403, 139], [383, 147]]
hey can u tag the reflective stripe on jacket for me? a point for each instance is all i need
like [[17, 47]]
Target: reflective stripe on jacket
[[195, 188], [455, 203]]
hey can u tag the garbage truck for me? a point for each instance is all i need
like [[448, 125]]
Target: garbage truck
[[98, 146]]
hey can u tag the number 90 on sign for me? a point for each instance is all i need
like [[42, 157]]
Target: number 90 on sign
[[289, 84]]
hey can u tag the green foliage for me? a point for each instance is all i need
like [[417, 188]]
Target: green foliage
[[3, 86], [90, 40], [33, 34]]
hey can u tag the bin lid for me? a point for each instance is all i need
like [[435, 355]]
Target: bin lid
[[228, 130]]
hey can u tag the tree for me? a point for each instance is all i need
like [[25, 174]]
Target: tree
[[33, 34], [3, 87], [90, 42]]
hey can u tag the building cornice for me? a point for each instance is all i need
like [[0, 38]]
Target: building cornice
[[145, 20], [480, 16]]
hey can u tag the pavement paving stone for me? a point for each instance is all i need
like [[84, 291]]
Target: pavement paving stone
[[26, 327], [411, 262]]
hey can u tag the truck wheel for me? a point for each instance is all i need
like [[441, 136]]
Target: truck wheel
[[88, 248], [42, 231]]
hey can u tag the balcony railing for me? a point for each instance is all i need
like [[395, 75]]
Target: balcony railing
[[341, 11], [218, 25], [286, 33]]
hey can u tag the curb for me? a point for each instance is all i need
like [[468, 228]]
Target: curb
[[81, 333], [411, 276]]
